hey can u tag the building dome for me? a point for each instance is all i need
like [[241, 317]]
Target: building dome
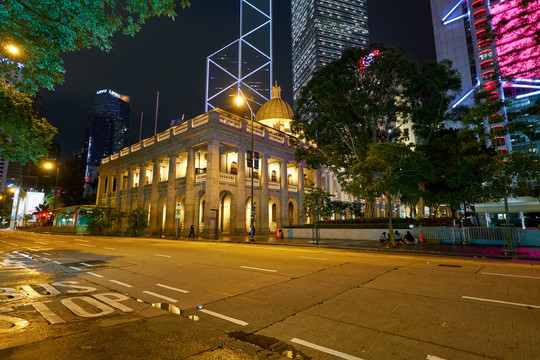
[[276, 112]]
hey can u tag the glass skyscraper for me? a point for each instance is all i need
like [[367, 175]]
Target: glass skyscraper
[[321, 30], [106, 129]]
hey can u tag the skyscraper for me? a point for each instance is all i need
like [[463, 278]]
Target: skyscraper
[[321, 30], [106, 129], [245, 65]]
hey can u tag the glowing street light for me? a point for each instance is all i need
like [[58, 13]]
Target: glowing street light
[[49, 165], [12, 49]]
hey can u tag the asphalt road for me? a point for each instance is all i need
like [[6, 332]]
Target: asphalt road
[[81, 297]]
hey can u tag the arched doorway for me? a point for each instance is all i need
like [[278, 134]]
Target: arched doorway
[[292, 210], [273, 213], [225, 213]]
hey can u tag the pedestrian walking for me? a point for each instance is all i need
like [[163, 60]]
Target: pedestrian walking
[[192, 231]]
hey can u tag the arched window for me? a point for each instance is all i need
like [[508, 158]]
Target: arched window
[[273, 177], [234, 168], [323, 182], [289, 179], [274, 213]]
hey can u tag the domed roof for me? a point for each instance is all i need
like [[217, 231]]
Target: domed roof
[[276, 108]]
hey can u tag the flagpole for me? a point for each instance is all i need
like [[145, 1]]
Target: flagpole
[[157, 107]]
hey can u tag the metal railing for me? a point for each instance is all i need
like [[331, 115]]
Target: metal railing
[[469, 235]]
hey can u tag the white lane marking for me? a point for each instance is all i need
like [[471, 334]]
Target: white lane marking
[[82, 240], [433, 357], [87, 245], [501, 302], [93, 274], [75, 268], [120, 283], [13, 244], [85, 264], [46, 253], [39, 242], [46, 259], [519, 276], [108, 248], [224, 317], [255, 268], [172, 288], [47, 313], [56, 262], [167, 256], [325, 349], [312, 258], [31, 249], [160, 296]]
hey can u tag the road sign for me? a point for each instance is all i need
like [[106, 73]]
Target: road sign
[[178, 206]]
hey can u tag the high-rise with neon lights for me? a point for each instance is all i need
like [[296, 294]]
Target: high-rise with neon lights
[[461, 35], [321, 30]]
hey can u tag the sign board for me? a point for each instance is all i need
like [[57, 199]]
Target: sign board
[[178, 206]]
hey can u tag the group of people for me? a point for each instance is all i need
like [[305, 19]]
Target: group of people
[[407, 239]]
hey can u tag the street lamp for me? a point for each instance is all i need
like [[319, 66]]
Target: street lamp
[[12, 49], [239, 99], [49, 165]]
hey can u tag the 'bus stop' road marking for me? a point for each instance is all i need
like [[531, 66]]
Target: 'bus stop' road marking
[[510, 275], [501, 302], [325, 349], [255, 268], [120, 283], [160, 296], [172, 288], [225, 317]]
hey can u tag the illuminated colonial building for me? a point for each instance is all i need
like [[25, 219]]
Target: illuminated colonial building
[[201, 166], [321, 30]]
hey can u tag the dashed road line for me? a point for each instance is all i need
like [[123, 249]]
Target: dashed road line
[[46, 253], [501, 302], [87, 245], [325, 349], [167, 256], [13, 244], [510, 275], [57, 262], [256, 268], [120, 283], [39, 242], [312, 258], [85, 264], [109, 248], [160, 296], [172, 288], [224, 317], [46, 259], [75, 268], [433, 357], [94, 274]]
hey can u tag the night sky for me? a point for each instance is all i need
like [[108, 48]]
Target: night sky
[[170, 56]]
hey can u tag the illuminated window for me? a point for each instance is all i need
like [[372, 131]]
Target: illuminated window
[[273, 176], [234, 168], [488, 75], [483, 44], [487, 54], [480, 13], [486, 65]]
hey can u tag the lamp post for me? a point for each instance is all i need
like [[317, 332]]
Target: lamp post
[[252, 215], [50, 165]]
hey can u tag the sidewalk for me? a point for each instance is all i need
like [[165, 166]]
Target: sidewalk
[[481, 251]]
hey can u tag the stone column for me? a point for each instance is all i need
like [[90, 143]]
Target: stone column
[[154, 199], [140, 192], [128, 202], [117, 200], [301, 219], [101, 186], [238, 210], [284, 198], [170, 221], [192, 201], [211, 192], [264, 221]]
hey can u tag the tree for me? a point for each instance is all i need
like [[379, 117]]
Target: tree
[[390, 169], [23, 136], [44, 30], [137, 220], [345, 108], [317, 205], [98, 221]]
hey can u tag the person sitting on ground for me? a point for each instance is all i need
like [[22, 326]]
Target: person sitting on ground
[[409, 237], [397, 237], [383, 238]]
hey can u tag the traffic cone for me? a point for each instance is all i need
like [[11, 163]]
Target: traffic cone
[[420, 237]]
